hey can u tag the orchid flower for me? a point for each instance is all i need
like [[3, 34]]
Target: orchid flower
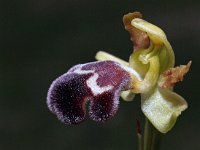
[[149, 72]]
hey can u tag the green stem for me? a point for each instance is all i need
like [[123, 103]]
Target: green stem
[[152, 137], [140, 142]]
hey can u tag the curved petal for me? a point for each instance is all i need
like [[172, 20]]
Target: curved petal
[[102, 56], [162, 107], [158, 37], [99, 82], [150, 78]]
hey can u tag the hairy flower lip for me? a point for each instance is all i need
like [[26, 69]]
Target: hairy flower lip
[[100, 83]]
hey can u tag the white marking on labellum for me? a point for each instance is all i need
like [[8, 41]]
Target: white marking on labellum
[[96, 89], [79, 71], [92, 81]]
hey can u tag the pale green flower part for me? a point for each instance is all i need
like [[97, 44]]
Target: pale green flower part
[[153, 59]]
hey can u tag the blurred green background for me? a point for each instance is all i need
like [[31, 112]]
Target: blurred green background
[[42, 39]]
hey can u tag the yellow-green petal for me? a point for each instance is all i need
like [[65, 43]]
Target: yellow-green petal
[[127, 95], [150, 78], [162, 107], [101, 56], [157, 36]]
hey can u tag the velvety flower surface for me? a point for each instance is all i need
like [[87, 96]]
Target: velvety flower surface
[[100, 83], [149, 72]]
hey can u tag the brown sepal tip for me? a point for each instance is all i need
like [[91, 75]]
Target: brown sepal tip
[[139, 38], [173, 75]]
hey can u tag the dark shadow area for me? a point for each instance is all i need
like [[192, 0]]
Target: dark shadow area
[[42, 39]]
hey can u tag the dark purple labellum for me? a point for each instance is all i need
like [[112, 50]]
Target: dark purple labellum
[[98, 82]]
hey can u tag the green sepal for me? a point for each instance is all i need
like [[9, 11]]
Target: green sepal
[[162, 107]]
